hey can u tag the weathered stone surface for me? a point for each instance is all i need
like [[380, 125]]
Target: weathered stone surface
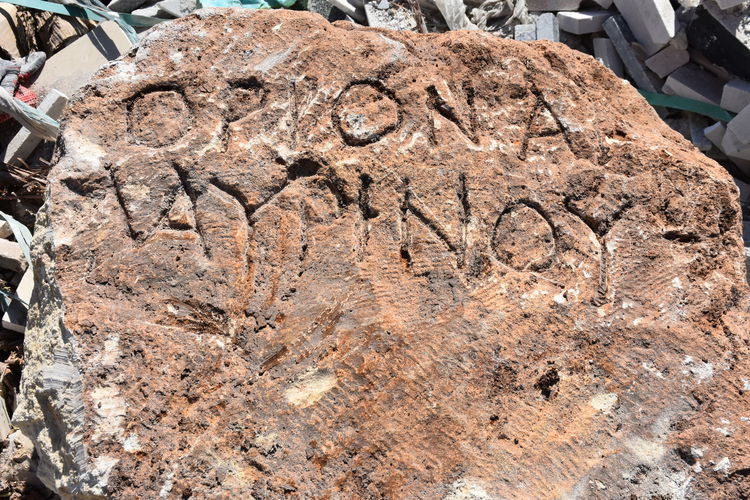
[[281, 257]]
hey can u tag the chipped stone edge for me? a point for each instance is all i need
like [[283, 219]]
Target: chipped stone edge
[[51, 409]]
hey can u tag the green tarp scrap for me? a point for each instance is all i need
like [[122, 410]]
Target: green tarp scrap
[[685, 104]]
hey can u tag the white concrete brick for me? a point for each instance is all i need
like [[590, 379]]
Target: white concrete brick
[[694, 83], [740, 126], [524, 32], [24, 142], [547, 27], [738, 152], [604, 52], [11, 256], [715, 133], [667, 60], [552, 5], [652, 22], [736, 95], [583, 22]]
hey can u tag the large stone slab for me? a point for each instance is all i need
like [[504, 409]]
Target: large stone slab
[[281, 257]]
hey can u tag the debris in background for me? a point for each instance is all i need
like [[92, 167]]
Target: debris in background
[[667, 60], [605, 53], [24, 143], [9, 39], [623, 41], [70, 68], [454, 13], [44, 31], [652, 22], [736, 95], [384, 14], [692, 82], [583, 22], [547, 27]]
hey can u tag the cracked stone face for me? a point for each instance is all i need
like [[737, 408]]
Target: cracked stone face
[[283, 257]]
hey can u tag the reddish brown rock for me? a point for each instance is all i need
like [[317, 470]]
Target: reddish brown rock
[[285, 258]]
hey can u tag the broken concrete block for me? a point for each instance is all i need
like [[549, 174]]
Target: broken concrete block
[[740, 126], [715, 133], [604, 4], [605, 53], [583, 22], [736, 95], [694, 83], [552, 5], [738, 151], [652, 22], [524, 32], [70, 68], [547, 27], [622, 39], [11, 256], [24, 142], [667, 60], [393, 17]]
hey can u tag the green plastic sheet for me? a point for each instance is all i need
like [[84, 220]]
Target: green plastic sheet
[[685, 104]]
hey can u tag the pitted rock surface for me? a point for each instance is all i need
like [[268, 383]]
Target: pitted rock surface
[[282, 258]]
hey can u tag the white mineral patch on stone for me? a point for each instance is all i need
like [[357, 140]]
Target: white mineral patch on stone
[[467, 489], [723, 465], [701, 371], [646, 451], [131, 443], [604, 402], [649, 367], [310, 388]]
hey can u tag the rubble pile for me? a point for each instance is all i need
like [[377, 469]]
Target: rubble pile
[[284, 257]]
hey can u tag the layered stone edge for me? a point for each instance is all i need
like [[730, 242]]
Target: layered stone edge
[[51, 410]]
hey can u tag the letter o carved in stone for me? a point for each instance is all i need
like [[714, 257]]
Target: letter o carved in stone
[[158, 118], [365, 112]]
